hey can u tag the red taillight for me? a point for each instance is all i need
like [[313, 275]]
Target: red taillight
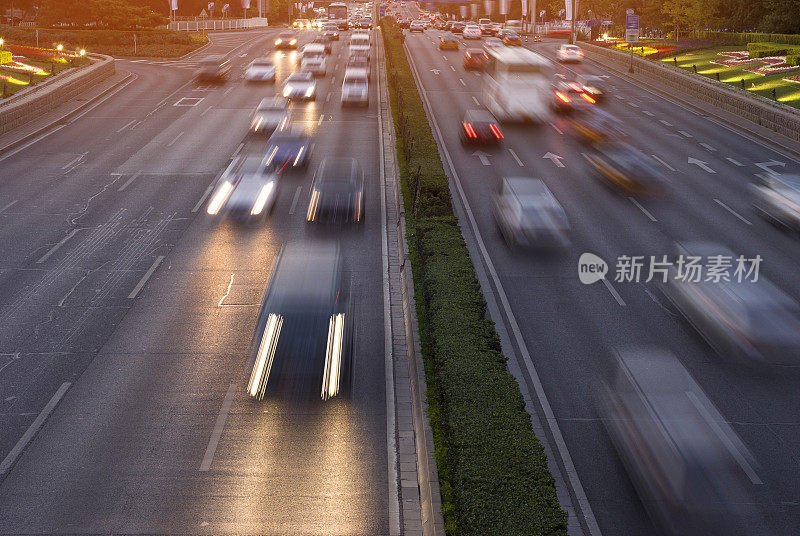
[[497, 133], [588, 98], [561, 96], [575, 87], [469, 130]]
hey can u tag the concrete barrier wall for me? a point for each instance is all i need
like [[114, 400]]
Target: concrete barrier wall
[[772, 115], [20, 109]]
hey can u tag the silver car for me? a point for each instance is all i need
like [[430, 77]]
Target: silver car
[[777, 198], [528, 214], [300, 86], [355, 87], [270, 115], [246, 190], [260, 70]]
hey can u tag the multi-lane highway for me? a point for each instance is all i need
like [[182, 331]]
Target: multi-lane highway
[[128, 314], [567, 332]]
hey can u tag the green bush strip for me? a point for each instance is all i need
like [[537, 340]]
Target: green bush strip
[[744, 38], [492, 469]]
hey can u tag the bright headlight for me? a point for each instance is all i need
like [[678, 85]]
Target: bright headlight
[[310, 91], [219, 198], [287, 91], [333, 357], [263, 197], [293, 41], [278, 42], [299, 154], [266, 353]]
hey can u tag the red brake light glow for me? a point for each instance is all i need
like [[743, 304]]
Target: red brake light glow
[[497, 133], [562, 97], [469, 130]]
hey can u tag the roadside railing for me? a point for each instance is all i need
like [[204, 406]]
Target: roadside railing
[[210, 25]]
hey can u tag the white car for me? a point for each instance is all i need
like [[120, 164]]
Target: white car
[[492, 42], [315, 65], [472, 32], [300, 86], [355, 87], [246, 190], [567, 53], [260, 70]]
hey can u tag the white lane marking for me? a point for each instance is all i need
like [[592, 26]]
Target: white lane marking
[[734, 162], [227, 292], [665, 123], [75, 160], [729, 209], [132, 121], [206, 111], [388, 357], [644, 210], [29, 434], [685, 134], [561, 445], [620, 97], [219, 426], [8, 206], [462, 82], [707, 146], [663, 163], [483, 157], [633, 104], [321, 117], [129, 181], [554, 158], [735, 452], [143, 281], [57, 246], [67, 295], [136, 125], [614, 292], [203, 197], [475, 100], [238, 149], [296, 198], [328, 98], [176, 138], [556, 127], [645, 112], [227, 91], [514, 155], [699, 163]]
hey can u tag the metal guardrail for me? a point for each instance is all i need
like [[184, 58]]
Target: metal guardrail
[[210, 25]]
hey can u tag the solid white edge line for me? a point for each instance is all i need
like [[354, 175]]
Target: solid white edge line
[[644, 210], [572, 474], [729, 209], [129, 181], [219, 426], [143, 281], [613, 292], [29, 434], [391, 423], [132, 121], [57, 246], [663, 163]]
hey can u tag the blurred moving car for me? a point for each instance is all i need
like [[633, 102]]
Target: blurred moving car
[[300, 86], [627, 168], [569, 97], [301, 24], [359, 62], [286, 40], [355, 87], [304, 331], [479, 127], [331, 29], [416, 26], [475, 58], [404, 23], [365, 23], [271, 114], [496, 27], [486, 26], [260, 70], [316, 65], [325, 42], [359, 44], [288, 150], [592, 85], [569, 53], [597, 126], [686, 462], [245, 190], [472, 32], [753, 321], [528, 214], [457, 27], [337, 193], [512, 39], [490, 42], [213, 69], [777, 199], [447, 43]]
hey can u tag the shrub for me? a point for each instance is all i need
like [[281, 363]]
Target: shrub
[[745, 38]]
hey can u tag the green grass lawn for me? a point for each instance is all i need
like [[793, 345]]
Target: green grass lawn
[[762, 84], [22, 79]]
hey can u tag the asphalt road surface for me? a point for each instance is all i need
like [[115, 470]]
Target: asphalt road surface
[[128, 312], [571, 330]]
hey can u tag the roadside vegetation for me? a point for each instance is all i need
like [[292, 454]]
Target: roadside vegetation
[[492, 469]]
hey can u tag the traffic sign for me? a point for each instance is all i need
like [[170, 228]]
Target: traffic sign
[[632, 28]]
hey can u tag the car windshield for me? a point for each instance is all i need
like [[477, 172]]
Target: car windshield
[[352, 79], [299, 77]]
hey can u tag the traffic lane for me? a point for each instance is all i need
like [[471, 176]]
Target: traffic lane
[[590, 223], [161, 335]]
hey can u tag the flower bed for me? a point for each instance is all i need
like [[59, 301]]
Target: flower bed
[[763, 66]]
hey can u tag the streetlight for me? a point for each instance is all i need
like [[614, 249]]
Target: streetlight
[[1, 41], [82, 52], [60, 48]]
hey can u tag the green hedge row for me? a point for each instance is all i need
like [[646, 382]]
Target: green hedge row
[[493, 470], [763, 50], [793, 59], [744, 38]]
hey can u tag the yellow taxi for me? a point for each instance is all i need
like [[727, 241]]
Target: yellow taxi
[[448, 43]]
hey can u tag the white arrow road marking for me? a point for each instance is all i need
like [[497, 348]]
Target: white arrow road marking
[[514, 155], [734, 162], [435, 71], [483, 157], [665, 123], [707, 146], [462, 82], [766, 165], [554, 158], [700, 164], [476, 101]]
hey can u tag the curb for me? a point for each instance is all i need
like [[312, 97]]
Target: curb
[[38, 132]]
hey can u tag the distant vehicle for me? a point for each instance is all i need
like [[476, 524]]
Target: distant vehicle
[[332, 30], [569, 97], [597, 126], [475, 58], [286, 40], [777, 198], [300, 86], [512, 39], [359, 44], [518, 85], [304, 331], [359, 62], [416, 26], [486, 26], [627, 168], [447, 43], [270, 115], [479, 127], [337, 12], [490, 42], [457, 27], [496, 27], [365, 23], [337, 193], [569, 53], [245, 190], [324, 40], [301, 24], [288, 150], [513, 25], [355, 87], [594, 86], [213, 69], [684, 458], [313, 49], [260, 70], [404, 23], [528, 214], [471, 32], [316, 65], [754, 322]]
